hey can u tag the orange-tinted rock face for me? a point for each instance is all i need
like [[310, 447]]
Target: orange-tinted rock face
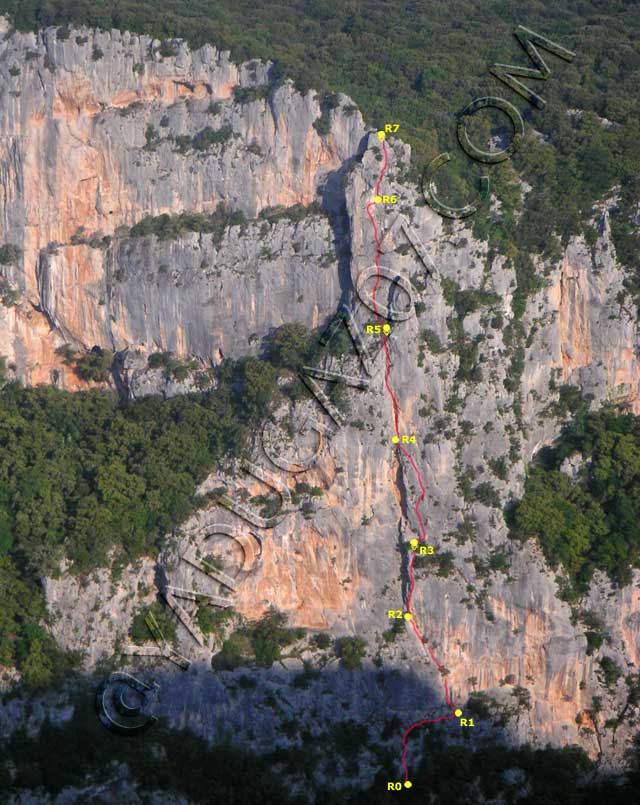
[[76, 159], [309, 575], [596, 332], [575, 322]]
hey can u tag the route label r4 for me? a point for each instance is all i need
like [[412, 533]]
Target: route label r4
[[404, 439]]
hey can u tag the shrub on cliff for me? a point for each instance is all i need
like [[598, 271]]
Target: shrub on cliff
[[169, 227], [9, 253], [295, 213], [328, 103], [256, 380], [212, 620], [166, 49], [90, 366], [322, 125], [351, 651], [487, 494], [610, 672], [207, 137], [140, 631], [291, 346], [152, 137], [9, 295], [322, 640], [433, 342], [259, 642], [235, 652], [94, 366], [270, 635], [249, 94], [204, 139], [175, 368]]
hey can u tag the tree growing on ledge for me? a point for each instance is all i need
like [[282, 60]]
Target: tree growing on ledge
[[291, 346], [93, 366], [351, 651], [9, 253]]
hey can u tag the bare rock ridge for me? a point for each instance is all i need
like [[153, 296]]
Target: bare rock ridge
[[92, 141]]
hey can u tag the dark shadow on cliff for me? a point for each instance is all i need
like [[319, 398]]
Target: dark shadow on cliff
[[315, 729], [310, 724], [332, 193]]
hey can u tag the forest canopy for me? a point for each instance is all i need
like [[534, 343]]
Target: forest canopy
[[590, 522], [82, 475], [90, 479]]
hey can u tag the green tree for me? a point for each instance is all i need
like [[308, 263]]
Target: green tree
[[352, 651], [290, 346], [259, 384], [592, 522]]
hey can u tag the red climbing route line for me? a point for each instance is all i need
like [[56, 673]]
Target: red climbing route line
[[409, 457]]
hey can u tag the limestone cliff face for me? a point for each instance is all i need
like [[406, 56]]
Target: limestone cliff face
[[77, 157], [74, 155], [597, 331]]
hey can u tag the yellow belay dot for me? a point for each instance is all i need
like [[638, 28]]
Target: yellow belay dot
[[392, 199], [422, 550]]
